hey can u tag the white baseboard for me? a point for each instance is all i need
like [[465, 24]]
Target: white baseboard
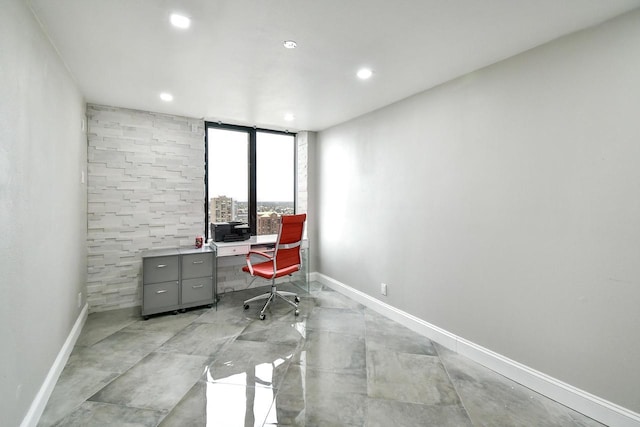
[[41, 399], [586, 403]]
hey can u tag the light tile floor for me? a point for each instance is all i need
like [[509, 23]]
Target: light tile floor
[[337, 364]]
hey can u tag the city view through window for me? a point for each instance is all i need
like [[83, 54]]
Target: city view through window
[[229, 177], [226, 209]]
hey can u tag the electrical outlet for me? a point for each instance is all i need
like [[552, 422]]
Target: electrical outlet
[[79, 299], [383, 288]]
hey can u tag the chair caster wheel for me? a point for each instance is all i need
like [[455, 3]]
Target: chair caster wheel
[[262, 317], [246, 306], [297, 299], [296, 313]]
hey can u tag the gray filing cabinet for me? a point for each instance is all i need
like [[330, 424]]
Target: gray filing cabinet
[[175, 279]]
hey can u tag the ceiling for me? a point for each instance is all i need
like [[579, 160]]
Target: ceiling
[[230, 64]]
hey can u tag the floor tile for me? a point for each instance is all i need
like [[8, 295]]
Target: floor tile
[[327, 409], [73, 388], [337, 320], [383, 333], [132, 341], [313, 383], [116, 361], [333, 351], [278, 331], [336, 364], [165, 322], [95, 414], [203, 339], [220, 404], [410, 378], [491, 399], [158, 382], [251, 363], [100, 325], [384, 413], [331, 299]]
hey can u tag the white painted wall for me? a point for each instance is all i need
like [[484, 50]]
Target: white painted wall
[[43, 213], [504, 207]]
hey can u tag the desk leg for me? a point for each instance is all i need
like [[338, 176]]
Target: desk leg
[[216, 298]]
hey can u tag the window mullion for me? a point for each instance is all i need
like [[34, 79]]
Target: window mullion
[[253, 194]]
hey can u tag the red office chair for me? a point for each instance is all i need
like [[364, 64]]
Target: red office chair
[[283, 260]]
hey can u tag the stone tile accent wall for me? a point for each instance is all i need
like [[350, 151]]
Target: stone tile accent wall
[[302, 144], [145, 191]]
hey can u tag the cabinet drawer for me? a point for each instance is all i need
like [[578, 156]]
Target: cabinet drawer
[[160, 269], [159, 295], [234, 250], [197, 265], [194, 290]]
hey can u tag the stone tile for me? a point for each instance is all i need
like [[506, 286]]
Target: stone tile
[[132, 341], [385, 334], [336, 364], [312, 383], [73, 388], [224, 313], [491, 399], [165, 322], [332, 351], [251, 363], [100, 325], [203, 339], [214, 403], [192, 410], [409, 378], [276, 331], [158, 382], [116, 361], [337, 320], [329, 298], [97, 414], [328, 409], [384, 413]]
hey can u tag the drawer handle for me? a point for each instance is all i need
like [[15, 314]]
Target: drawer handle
[[162, 265], [161, 292], [198, 262], [197, 286]]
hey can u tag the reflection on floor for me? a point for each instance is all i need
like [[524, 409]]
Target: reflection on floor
[[337, 364]]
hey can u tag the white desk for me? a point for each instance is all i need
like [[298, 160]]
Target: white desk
[[229, 249], [242, 248]]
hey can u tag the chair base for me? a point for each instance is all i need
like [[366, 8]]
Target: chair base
[[270, 296]]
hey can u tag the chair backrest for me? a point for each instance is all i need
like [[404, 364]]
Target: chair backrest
[[289, 244]]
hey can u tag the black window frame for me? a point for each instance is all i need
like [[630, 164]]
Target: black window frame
[[253, 204]]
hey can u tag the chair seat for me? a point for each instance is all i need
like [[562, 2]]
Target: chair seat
[[265, 270]]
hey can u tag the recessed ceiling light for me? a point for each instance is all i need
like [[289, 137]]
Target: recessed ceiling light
[[289, 117], [290, 44], [180, 21], [167, 97], [364, 73]]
